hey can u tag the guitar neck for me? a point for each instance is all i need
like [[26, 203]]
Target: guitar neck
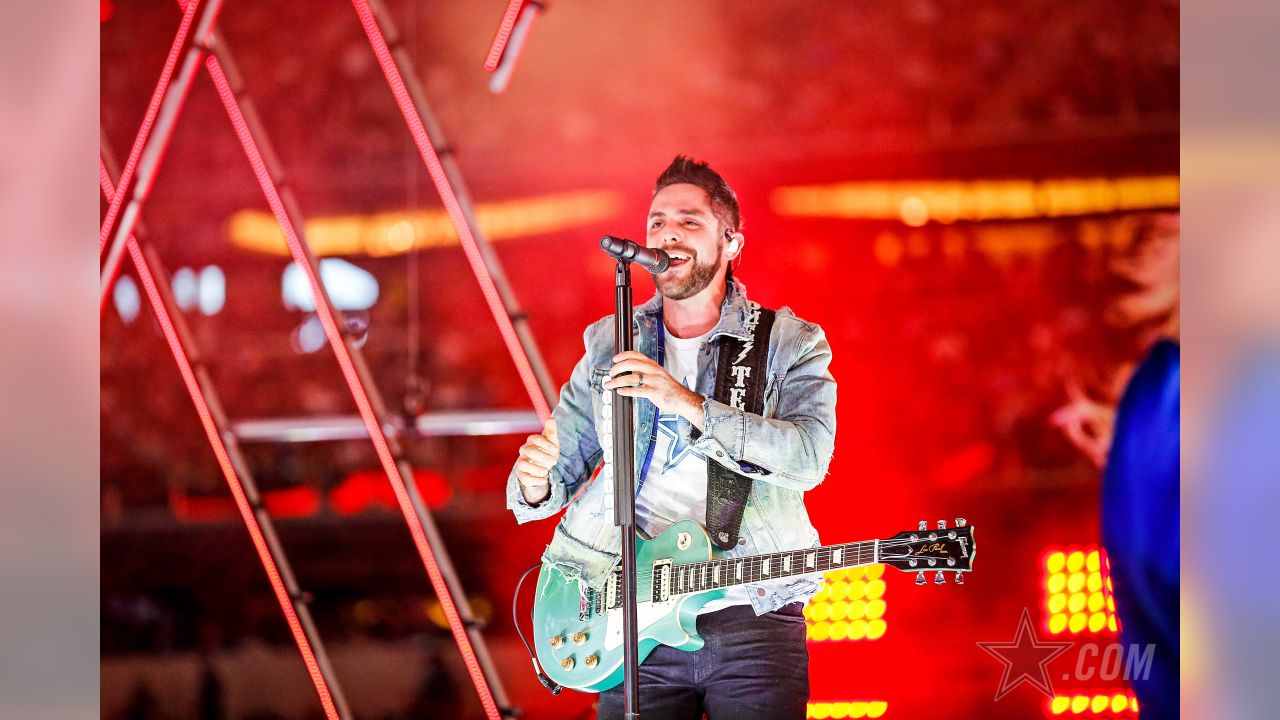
[[728, 572]]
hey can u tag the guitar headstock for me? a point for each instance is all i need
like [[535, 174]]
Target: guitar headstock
[[941, 549]]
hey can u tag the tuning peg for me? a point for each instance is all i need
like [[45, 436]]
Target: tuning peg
[[924, 525], [942, 524], [939, 579], [961, 522], [959, 578], [920, 578]]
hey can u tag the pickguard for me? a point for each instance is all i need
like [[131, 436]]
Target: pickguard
[[647, 615]]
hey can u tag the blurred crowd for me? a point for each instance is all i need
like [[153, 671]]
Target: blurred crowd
[[831, 80]]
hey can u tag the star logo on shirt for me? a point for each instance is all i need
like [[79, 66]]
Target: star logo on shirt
[[677, 449]]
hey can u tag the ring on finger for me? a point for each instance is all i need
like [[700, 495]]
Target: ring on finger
[[639, 380]]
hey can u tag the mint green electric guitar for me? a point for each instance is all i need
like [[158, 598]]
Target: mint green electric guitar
[[578, 631]]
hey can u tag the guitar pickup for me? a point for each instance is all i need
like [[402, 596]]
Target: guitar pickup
[[661, 581]]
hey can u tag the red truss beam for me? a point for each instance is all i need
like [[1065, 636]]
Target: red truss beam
[[426, 537], [243, 491], [144, 130], [504, 33], [153, 140], [456, 206]]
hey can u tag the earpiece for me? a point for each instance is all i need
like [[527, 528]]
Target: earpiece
[[733, 241]]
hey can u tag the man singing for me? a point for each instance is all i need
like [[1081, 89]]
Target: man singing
[[755, 425]]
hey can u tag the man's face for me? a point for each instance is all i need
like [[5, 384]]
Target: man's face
[[682, 224]]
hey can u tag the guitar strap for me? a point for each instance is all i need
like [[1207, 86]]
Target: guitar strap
[[740, 383]]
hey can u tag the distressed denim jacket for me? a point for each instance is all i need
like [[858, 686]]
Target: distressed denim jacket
[[786, 451]]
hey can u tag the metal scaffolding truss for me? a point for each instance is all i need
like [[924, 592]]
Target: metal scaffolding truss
[[226, 449], [118, 235]]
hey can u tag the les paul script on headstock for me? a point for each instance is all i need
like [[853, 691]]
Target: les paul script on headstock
[[932, 548]]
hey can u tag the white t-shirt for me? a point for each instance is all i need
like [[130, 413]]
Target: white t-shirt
[[676, 486]]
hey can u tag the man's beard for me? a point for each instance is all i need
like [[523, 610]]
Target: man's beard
[[699, 278]]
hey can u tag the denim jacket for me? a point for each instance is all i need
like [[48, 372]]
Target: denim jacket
[[786, 451]]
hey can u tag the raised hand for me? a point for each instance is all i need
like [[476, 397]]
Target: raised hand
[[537, 456]]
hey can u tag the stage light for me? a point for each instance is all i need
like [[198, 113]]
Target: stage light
[[840, 710], [850, 606], [875, 609], [186, 288], [212, 294], [396, 232], [857, 609], [350, 287], [1055, 561], [916, 203], [1075, 561], [1098, 704], [839, 610], [1077, 591], [127, 299]]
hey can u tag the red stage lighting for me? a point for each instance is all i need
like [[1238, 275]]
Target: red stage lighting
[[1118, 704], [1078, 598], [850, 606]]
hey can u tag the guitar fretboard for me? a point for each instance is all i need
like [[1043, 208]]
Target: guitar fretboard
[[671, 580], [727, 572]]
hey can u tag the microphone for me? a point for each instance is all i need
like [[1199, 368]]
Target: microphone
[[653, 260]]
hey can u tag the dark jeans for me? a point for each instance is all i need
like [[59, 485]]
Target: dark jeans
[[756, 668]]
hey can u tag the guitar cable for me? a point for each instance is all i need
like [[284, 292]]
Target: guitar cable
[[547, 682]]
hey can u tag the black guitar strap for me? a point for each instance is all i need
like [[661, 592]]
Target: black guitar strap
[[740, 383]]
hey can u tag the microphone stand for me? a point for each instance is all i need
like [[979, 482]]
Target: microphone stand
[[624, 504]]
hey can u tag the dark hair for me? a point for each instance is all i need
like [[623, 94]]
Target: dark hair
[[724, 203]]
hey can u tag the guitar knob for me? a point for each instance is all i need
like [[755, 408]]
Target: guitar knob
[[556, 642], [579, 638], [920, 578], [951, 561], [923, 525], [942, 524], [590, 661], [959, 578], [939, 579], [961, 522], [567, 663]]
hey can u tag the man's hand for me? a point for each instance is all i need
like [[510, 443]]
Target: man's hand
[[648, 379], [537, 456]]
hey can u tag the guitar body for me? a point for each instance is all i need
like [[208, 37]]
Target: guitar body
[[561, 611], [577, 632]]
